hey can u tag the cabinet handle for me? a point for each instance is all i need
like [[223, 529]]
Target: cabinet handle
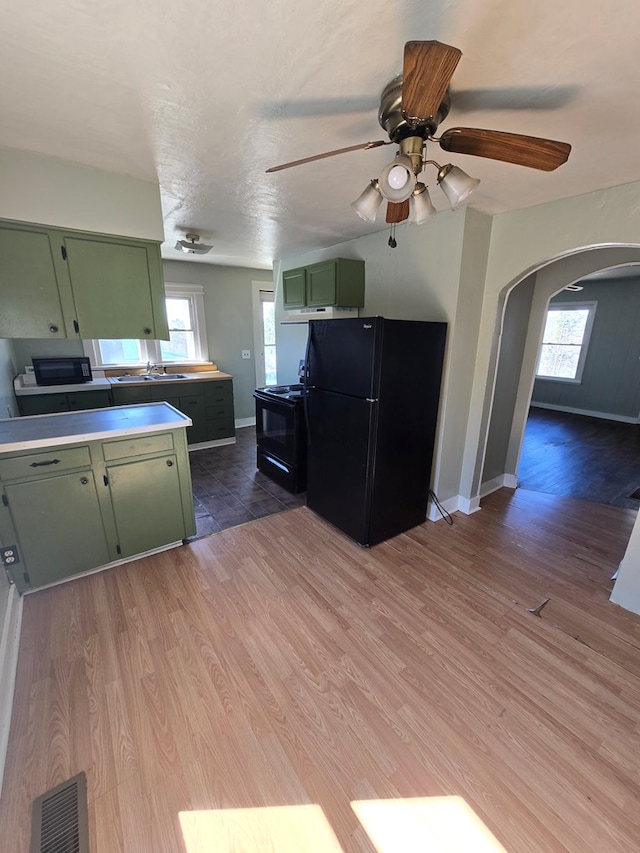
[[84, 481], [53, 329], [169, 463], [147, 330], [42, 464]]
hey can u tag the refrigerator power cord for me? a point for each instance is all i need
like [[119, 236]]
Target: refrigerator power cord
[[447, 517]]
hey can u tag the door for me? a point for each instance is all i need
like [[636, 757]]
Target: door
[[264, 334], [106, 276], [339, 460], [342, 355], [147, 504], [59, 526], [30, 306]]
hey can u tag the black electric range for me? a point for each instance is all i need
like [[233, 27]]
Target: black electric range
[[281, 435]]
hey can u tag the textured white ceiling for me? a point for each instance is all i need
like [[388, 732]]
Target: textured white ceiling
[[206, 95]]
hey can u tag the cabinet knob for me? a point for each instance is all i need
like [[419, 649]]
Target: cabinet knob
[[53, 329], [147, 330], [169, 463], [84, 481]]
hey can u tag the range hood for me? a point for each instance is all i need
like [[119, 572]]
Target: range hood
[[303, 315]]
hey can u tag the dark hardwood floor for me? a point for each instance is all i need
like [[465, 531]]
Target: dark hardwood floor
[[229, 490], [581, 457]]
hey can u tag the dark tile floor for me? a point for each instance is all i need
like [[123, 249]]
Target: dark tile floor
[[229, 490]]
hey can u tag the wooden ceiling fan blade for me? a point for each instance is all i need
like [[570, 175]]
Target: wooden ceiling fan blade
[[362, 146], [397, 211], [427, 71], [531, 151]]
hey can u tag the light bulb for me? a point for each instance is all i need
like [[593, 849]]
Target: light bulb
[[398, 177]]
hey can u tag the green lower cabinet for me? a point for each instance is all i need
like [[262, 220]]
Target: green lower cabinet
[[48, 404], [58, 525], [147, 503], [75, 507]]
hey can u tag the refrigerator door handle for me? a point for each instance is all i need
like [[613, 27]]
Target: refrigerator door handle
[[305, 390], [371, 399]]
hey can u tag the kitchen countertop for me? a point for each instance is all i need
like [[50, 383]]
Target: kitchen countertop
[[104, 383], [35, 431]]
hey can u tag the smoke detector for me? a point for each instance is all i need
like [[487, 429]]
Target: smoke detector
[[190, 246]]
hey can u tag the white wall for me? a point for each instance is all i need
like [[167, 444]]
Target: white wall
[[228, 306], [56, 192]]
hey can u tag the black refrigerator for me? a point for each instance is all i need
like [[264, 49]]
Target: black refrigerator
[[372, 388]]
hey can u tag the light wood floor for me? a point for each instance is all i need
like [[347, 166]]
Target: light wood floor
[[279, 664]]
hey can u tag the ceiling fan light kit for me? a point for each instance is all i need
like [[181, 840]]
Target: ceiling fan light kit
[[368, 202], [420, 205], [190, 246], [412, 106]]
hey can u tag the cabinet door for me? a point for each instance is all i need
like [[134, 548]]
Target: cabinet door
[[194, 408], [147, 503], [124, 395], [117, 287], [97, 399], [59, 528], [321, 284], [294, 288], [42, 404], [30, 305]]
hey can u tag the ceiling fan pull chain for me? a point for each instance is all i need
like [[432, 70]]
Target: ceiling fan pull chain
[[392, 239]]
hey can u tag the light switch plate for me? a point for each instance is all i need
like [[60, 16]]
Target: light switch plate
[[246, 353]]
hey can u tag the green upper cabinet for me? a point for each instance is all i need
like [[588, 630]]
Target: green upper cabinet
[[117, 287], [294, 288], [338, 282], [30, 306], [57, 283]]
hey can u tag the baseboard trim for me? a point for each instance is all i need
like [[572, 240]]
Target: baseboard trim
[[245, 422], [451, 505], [9, 644], [606, 416], [509, 481]]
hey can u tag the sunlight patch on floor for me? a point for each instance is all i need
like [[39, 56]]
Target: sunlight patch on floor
[[420, 825], [281, 829], [425, 824]]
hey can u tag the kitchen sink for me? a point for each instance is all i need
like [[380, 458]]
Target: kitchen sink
[[150, 378], [168, 376]]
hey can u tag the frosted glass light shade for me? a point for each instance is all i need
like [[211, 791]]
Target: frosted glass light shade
[[456, 184], [397, 180], [420, 205], [368, 202]]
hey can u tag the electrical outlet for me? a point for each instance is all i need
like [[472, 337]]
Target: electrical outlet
[[246, 353]]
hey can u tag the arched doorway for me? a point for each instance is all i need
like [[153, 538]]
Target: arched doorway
[[519, 329]]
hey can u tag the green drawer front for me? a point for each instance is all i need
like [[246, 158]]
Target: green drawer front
[[137, 446], [218, 391], [220, 428], [162, 390], [126, 396], [221, 410], [37, 464]]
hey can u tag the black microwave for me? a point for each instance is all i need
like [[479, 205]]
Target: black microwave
[[62, 370]]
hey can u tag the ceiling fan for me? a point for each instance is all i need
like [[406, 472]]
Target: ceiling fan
[[412, 106]]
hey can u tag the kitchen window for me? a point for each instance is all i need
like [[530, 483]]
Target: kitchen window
[[563, 350], [187, 335]]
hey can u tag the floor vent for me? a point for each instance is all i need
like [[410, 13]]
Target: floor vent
[[59, 819]]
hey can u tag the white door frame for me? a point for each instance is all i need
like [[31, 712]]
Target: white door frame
[[258, 329]]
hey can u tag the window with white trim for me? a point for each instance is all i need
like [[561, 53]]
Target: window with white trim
[[563, 350], [187, 335]]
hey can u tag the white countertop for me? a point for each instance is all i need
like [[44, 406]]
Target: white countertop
[[23, 388], [35, 431]]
